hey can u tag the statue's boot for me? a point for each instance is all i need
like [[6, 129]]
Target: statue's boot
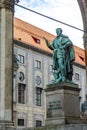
[[58, 80], [63, 78]]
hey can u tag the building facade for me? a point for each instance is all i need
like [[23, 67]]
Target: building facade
[[35, 72]]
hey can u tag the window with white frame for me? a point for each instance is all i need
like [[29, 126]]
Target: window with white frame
[[21, 58], [37, 64]]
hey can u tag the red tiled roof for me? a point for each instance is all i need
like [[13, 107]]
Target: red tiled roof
[[33, 35], [79, 55]]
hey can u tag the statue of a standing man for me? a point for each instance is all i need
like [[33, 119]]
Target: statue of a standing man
[[63, 57]]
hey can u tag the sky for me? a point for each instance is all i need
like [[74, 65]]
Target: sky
[[66, 11]]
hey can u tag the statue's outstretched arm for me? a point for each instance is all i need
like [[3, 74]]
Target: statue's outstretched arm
[[48, 44]]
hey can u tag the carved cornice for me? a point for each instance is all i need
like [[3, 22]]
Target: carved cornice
[[24, 45], [8, 4]]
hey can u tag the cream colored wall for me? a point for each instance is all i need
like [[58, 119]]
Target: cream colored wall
[[81, 81]]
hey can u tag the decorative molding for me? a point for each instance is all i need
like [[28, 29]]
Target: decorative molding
[[8, 4], [21, 76], [79, 65], [38, 80], [19, 43], [62, 85]]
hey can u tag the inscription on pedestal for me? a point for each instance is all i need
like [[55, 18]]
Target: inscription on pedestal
[[54, 105], [63, 106]]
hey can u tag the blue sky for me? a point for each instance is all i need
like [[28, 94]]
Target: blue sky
[[63, 10]]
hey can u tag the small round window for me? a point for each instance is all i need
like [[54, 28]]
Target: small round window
[[38, 80], [21, 76]]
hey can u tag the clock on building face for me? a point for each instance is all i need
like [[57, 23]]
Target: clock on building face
[[21, 76], [38, 80]]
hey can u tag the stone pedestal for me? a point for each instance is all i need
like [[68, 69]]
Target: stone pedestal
[[6, 125], [63, 108], [62, 127], [62, 103]]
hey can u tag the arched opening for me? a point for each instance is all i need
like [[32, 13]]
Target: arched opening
[[39, 21], [83, 8], [65, 11]]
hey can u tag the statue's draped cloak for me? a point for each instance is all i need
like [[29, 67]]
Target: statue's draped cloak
[[63, 48]]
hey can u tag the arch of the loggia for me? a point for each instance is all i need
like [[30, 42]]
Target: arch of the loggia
[[83, 8]]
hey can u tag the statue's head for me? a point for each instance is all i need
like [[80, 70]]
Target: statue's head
[[58, 31]]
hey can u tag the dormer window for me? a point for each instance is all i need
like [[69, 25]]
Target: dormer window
[[82, 58], [37, 40]]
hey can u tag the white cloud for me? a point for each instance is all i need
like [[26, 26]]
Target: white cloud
[[65, 11]]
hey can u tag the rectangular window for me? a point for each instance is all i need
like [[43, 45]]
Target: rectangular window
[[21, 59], [37, 64], [38, 123], [76, 76], [38, 96], [20, 122], [21, 93]]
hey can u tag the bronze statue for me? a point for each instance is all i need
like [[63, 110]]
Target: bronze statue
[[63, 57]]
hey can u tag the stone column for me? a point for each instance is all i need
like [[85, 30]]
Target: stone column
[[85, 47], [83, 8], [6, 54]]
